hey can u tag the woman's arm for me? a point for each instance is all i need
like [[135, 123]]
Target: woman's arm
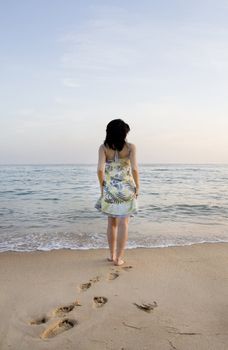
[[101, 166], [134, 167]]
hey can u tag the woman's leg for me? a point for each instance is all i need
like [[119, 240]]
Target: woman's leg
[[121, 239], [111, 235]]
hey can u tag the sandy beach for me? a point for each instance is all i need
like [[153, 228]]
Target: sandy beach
[[160, 299]]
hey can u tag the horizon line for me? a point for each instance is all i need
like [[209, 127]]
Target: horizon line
[[145, 163]]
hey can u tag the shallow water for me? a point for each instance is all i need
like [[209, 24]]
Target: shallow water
[[52, 206]]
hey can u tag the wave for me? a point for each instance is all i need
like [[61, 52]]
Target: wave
[[89, 246], [188, 208]]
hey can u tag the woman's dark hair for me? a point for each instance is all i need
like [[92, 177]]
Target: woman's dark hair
[[116, 132]]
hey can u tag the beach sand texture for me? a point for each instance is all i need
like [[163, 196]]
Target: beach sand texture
[[160, 299]]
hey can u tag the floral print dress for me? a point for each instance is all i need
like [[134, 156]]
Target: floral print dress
[[118, 198]]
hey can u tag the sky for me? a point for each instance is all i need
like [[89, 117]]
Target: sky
[[68, 67]]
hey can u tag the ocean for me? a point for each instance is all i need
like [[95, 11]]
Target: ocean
[[45, 207]]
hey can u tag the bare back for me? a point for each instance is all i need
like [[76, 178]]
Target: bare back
[[106, 153], [124, 153]]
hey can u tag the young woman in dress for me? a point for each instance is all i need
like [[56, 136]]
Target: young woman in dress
[[118, 176]]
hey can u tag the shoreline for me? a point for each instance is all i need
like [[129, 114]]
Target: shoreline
[[76, 299], [105, 248]]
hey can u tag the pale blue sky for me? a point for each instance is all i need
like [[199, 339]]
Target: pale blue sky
[[69, 67]]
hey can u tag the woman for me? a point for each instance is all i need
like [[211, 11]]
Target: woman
[[119, 182]]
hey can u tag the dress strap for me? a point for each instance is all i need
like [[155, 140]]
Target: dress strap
[[116, 155]]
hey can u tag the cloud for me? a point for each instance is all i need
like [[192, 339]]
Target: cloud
[[115, 43], [71, 83], [102, 46], [26, 112]]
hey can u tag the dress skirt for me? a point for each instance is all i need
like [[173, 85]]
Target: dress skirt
[[118, 199]]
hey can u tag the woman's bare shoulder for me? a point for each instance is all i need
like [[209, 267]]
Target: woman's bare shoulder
[[101, 147], [132, 146]]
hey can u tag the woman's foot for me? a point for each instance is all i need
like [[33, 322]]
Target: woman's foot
[[111, 259], [119, 262]]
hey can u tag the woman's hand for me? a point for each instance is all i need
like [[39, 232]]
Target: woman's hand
[[102, 188], [136, 192]]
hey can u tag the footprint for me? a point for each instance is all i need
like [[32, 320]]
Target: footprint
[[171, 344], [127, 268], [113, 275], [58, 327], [99, 301], [39, 320], [84, 286], [60, 311], [95, 279], [146, 307]]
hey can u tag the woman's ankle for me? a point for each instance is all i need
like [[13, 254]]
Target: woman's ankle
[[119, 260], [112, 257]]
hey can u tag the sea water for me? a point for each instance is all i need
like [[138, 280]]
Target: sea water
[[44, 207]]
